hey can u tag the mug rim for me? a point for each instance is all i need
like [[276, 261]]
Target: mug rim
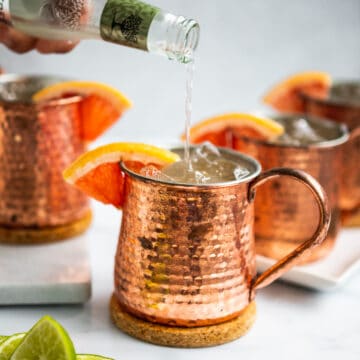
[[12, 77], [233, 153], [343, 138], [335, 101]]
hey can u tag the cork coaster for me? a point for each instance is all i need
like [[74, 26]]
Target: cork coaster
[[28, 236], [180, 336]]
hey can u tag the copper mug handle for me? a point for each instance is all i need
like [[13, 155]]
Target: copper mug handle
[[283, 265]]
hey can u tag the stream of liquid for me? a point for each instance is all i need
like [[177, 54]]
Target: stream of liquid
[[202, 164], [190, 70]]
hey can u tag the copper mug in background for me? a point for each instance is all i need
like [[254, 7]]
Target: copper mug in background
[[285, 212], [343, 106], [186, 253], [37, 142]]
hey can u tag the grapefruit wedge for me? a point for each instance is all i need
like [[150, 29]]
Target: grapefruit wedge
[[101, 107], [286, 96], [220, 130], [98, 172]]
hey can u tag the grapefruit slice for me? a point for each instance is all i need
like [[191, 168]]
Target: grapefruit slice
[[98, 172], [221, 130], [101, 107], [286, 96]]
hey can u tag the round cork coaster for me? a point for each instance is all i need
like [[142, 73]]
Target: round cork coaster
[[33, 236], [181, 336]]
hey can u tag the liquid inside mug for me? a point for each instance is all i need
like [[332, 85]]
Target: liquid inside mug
[[285, 212], [37, 142], [186, 253], [343, 106]]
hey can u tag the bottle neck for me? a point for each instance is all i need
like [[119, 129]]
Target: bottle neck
[[173, 36]]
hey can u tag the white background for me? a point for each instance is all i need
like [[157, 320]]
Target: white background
[[245, 46]]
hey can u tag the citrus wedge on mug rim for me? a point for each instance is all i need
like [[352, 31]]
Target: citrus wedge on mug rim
[[101, 106], [98, 172], [219, 130], [286, 96]]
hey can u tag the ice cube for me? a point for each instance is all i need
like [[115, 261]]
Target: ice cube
[[300, 132], [201, 177], [206, 151], [208, 167], [241, 172]]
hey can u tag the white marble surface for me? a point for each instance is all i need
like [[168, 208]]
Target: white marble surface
[[57, 273], [293, 323]]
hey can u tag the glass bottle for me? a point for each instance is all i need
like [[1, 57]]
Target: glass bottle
[[127, 22]]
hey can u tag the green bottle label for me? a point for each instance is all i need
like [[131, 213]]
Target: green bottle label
[[127, 22]]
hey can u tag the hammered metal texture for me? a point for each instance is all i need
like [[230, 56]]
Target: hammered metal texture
[[185, 255], [350, 163], [36, 145], [286, 213]]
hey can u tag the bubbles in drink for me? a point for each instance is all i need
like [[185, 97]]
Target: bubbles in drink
[[208, 167], [150, 171], [300, 131], [153, 172]]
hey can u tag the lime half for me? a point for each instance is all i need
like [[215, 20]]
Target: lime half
[[46, 340], [8, 346], [91, 357]]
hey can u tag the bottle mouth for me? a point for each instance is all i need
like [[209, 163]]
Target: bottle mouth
[[191, 39], [188, 39]]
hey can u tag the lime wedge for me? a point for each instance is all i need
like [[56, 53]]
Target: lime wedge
[[8, 346], [91, 357], [3, 338], [47, 340]]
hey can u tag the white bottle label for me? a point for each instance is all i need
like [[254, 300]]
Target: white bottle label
[[4, 11]]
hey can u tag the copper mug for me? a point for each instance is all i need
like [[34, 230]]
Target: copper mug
[[343, 106], [37, 142], [283, 200], [186, 253]]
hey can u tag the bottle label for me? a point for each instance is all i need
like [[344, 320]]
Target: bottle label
[[127, 22], [4, 12]]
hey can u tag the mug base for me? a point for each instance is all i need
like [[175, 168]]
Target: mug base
[[180, 336], [28, 236]]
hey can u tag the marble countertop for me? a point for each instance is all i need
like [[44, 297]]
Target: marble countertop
[[292, 322]]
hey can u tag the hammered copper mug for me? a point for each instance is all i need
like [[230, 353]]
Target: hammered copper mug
[[186, 253], [343, 106], [285, 212], [37, 142]]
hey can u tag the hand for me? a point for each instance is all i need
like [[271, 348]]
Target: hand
[[22, 43]]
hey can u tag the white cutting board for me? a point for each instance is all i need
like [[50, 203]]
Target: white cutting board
[[57, 273]]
